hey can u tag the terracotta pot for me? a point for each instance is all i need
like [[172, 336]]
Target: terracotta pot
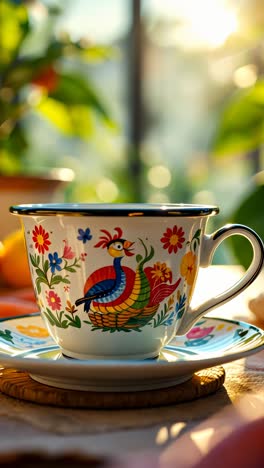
[[17, 189]]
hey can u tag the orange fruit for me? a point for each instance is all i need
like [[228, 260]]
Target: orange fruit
[[14, 267]]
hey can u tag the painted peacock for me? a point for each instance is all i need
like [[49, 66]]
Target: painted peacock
[[117, 297]]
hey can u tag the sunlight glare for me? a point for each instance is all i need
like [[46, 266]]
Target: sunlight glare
[[162, 436], [211, 22], [201, 439], [176, 429], [203, 23]]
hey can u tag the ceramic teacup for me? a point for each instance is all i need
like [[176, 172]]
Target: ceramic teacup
[[116, 281]]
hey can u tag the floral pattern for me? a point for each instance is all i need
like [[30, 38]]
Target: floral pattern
[[84, 235], [199, 336], [189, 263], [68, 253], [41, 239], [55, 262], [210, 335], [46, 270], [33, 331], [54, 300], [173, 239], [70, 307], [199, 332], [154, 296], [188, 267], [161, 273], [180, 305]]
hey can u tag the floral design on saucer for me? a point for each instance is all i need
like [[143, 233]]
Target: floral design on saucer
[[213, 341], [209, 337]]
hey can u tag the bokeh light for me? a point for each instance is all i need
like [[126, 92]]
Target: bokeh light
[[159, 176], [106, 190], [245, 76]]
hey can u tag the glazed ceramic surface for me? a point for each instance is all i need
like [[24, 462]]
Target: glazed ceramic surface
[[117, 281], [25, 344]]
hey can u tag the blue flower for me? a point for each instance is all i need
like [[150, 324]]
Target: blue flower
[[84, 236], [55, 262]]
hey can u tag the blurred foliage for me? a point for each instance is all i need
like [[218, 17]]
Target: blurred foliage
[[240, 133], [249, 212], [241, 125], [38, 82]]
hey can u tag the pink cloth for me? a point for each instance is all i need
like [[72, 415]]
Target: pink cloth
[[244, 448]]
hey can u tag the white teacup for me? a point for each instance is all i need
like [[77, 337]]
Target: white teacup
[[116, 281]]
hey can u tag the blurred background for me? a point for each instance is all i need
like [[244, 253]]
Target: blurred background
[[138, 101]]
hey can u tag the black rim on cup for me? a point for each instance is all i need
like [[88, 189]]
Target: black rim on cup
[[114, 209]]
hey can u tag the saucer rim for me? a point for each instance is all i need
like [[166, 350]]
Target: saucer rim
[[118, 375], [124, 364]]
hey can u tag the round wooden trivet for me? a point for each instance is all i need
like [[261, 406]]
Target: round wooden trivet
[[19, 384]]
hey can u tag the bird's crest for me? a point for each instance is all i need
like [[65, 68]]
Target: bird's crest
[[108, 237]]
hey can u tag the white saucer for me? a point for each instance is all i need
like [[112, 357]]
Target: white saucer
[[26, 345]]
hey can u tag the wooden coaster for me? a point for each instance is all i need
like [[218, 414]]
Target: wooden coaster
[[19, 384]]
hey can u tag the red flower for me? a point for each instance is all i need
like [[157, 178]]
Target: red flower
[[68, 253], [41, 239], [54, 300], [47, 78], [173, 239]]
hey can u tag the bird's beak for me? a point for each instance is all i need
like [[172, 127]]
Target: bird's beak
[[127, 249]]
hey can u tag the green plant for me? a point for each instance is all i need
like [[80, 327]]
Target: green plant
[[241, 125], [43, 82], [241, 132], [250, 212]]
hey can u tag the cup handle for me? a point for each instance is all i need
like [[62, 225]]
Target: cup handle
[[210, 244]]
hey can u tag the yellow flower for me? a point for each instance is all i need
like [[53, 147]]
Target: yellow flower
[[34, 331], [161, 273], [188, 267]]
